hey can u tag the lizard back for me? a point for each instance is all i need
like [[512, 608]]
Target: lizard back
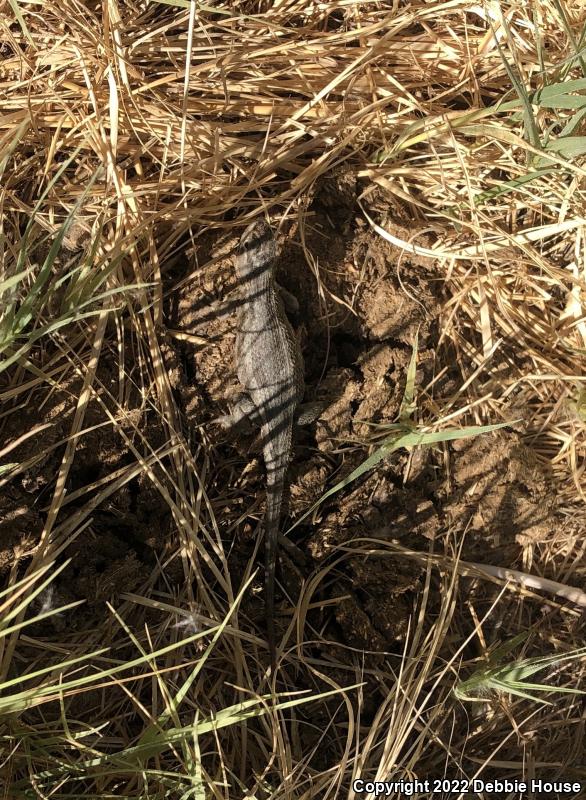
[[270, 367]]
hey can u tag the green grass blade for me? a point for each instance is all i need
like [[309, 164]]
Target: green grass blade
[[232, 715], [530, 124], [570, 34], [50, 613], [512, 185], [409, 403], [26, 310], [570, 147], [504, 649], [20, 701], [6, 468], [153, 730], [30, 597], [5, 702], [20, 19], [509, 678], [558, 95], [13, 588], [573, 124], [408, 439]]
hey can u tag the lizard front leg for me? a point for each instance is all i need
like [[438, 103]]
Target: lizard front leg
[[242, 410]]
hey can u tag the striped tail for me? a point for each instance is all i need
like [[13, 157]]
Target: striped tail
[[275, 489]]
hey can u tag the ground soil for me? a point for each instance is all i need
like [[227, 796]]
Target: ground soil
[[362, 302]]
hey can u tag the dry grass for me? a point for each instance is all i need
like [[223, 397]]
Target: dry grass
[[186, 117]]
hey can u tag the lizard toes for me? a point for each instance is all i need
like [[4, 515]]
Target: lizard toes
[[225, 421]]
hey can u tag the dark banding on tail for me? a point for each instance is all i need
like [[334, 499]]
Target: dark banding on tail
[[275, 489]]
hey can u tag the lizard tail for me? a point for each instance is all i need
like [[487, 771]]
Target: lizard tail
[[275, 488]]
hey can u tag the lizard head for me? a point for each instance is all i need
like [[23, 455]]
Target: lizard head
[[256, 251]]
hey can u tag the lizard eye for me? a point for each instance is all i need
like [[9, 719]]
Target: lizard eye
[[256, 237]]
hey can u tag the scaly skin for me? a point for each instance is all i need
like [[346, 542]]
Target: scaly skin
[[270, 367]]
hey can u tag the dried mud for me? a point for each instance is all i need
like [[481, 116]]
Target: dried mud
[[357, 327]]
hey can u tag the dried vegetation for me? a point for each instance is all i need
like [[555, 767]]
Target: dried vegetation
[[155, 131]]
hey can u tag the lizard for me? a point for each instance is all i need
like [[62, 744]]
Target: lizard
[[269, 365]]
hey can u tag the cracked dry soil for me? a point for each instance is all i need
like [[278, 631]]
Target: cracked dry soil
[[357, 330]]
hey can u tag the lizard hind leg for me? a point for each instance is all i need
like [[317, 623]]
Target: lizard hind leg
[[309, 412], [290, 302], [243, 412]]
